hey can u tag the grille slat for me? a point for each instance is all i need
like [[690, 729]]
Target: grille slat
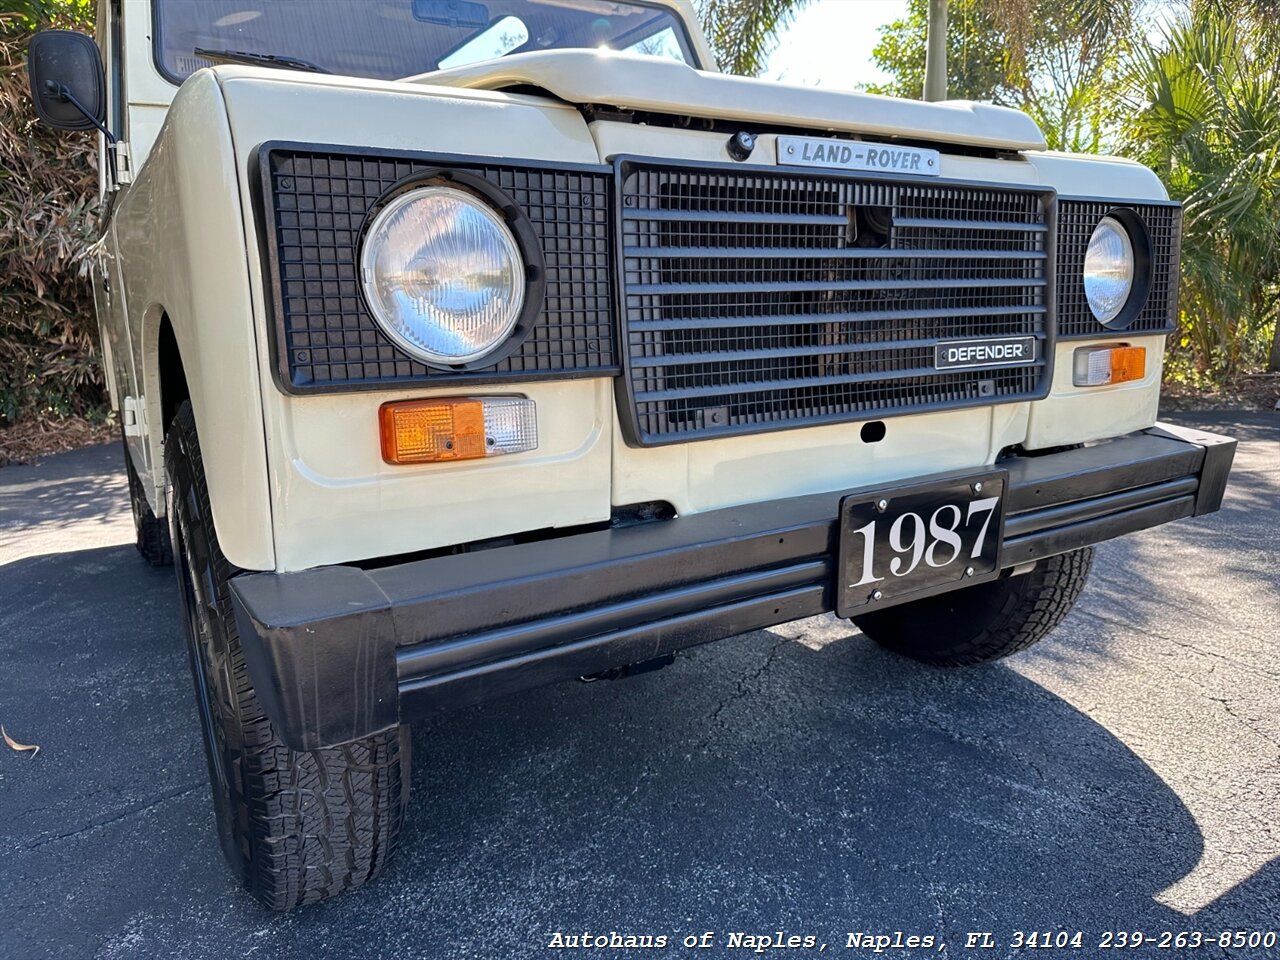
[[820, 350], [800, 319], [705, 216], [856, 253], [756, 300], [875, 376], [923, 223], [801, 286]]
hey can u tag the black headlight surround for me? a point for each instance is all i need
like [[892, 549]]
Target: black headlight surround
[[312, 203], [535, 268], [1153, 314]]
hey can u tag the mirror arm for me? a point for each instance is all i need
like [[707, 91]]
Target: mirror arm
[[60, 91]]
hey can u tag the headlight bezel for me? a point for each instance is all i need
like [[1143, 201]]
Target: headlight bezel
[[1134, 229], [506, 211]]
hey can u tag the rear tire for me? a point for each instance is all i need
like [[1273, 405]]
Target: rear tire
[[297, 827], [984, 622], [152, 533]]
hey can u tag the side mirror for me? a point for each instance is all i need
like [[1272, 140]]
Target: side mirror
[[68, 87]]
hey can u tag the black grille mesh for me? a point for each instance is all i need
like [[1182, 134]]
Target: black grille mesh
[[757, 300], [1076, 221], [327, 339]]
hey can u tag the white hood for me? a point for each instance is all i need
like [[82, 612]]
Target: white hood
[[653, 84]]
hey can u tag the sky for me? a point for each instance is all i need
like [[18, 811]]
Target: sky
[[829, 43]]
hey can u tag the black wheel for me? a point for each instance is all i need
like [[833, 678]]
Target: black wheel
[[152, 532], [983, 622], [297, 827]]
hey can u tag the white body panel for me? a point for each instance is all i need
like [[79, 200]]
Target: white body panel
[[297, 482], [664, 86]]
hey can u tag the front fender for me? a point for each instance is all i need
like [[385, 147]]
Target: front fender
[[184, 256]]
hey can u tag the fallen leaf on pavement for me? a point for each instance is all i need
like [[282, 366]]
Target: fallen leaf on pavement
[[15, 745]]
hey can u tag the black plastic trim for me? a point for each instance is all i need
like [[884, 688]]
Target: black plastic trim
[[1127, 210], [478, 373], [337, 653], [625, 394]]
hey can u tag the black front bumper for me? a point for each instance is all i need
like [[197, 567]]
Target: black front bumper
[[337, 653]]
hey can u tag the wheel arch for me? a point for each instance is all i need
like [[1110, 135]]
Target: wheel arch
[[176, 372]]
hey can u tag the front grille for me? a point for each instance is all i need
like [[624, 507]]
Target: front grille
[[1076, 221], [757, 300], [326, 340]]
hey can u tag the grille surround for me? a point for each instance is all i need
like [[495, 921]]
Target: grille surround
[[1077, 217], [841, 371], [325, 338]]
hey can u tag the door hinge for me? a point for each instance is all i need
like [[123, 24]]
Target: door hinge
[[124, 162], [133, 416]]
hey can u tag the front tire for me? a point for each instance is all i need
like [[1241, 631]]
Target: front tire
[[297, 827], [984, 622]]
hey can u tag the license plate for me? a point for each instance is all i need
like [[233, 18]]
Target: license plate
[[918, 539], [858, 155]]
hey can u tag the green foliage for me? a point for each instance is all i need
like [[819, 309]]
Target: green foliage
[[975, 53], [1059, 60], [1198, 102], [48, 219], [21, 16], [1204, 112], [743, 33]]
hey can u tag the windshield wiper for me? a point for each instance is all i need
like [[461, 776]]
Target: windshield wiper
[[259, 59]]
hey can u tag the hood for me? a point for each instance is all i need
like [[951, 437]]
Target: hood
[[653, 84]]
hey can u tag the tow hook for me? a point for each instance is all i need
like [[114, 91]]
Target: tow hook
[[630, 669]]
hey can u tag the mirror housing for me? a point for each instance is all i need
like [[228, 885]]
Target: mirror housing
[[68, 86]]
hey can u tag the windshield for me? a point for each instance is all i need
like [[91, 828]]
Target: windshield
[[390, 39]]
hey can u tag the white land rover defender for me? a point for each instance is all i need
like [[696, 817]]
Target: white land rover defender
[[467, 345]]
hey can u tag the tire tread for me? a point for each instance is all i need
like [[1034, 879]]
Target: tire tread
[[1023, 610], [308, 825]]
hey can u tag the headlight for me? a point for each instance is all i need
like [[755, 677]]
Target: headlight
[[1108, 270], [443, 275]]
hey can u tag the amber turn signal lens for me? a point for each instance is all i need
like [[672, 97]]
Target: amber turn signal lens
[[1100, 366], [463, 428], [1128, 363]]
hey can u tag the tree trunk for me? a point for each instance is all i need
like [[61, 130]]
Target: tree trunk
[[935, 56], [1273, 362]]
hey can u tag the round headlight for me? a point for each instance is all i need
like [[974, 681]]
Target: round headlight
[[1108, 269], [443, 275]]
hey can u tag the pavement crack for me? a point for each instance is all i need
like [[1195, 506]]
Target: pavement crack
[[742, 688], [1183, 644], [104, 821], [1243, 721]]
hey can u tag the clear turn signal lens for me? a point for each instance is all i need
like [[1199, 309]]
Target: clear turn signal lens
[[462, 428], [1100, 366]]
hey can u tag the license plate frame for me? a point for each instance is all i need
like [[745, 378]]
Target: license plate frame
[[867, 577]]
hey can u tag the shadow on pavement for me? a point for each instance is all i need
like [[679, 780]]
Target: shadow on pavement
[[85, 484], [798, 779], [758, 784]]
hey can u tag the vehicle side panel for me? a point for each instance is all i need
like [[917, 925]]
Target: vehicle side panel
[[183, 255]]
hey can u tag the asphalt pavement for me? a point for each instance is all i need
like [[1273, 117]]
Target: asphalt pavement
[[1122, 776]]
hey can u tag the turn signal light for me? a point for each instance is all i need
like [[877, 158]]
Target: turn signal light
[[462, 428], [1099, 366]]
